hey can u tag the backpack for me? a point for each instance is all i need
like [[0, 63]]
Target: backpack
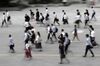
[[69, 42], [56, 29]]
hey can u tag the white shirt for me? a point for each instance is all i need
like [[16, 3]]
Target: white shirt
[[25, 36], [63, 33], [11, 42], [26, 24], [48, 29], [88, 42], [53, 28], [7, 13], [66, 41], [92, 34], [78, 17], [4, 17], [27, 46], [86, 17], [65, 17]]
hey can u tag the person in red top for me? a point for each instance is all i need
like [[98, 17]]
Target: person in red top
[[28, 53]]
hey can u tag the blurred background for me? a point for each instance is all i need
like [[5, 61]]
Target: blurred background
[[13, 3]]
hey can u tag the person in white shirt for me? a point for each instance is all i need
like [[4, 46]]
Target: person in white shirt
[[4, 20], [54, 31], [50, 32], [78, 20], [11, 44], [88, 46], [62, 32], [93, 14], [86, 19], [56, 20], [47, 14], [65, 18]]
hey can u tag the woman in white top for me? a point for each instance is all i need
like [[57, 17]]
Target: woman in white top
[[88, 46]]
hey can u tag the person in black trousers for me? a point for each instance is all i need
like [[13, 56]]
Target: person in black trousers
[[75, 33], [4, 20], [66, 42], [56, 20], [33, 37], [37, 15], [88, 46], [61, 49]]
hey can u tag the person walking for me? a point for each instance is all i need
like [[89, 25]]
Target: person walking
[[41, 18], [93, 14], [88, 46], [37, 15], [4, 20], [86, 17], [32, 14], [61, 49], [28, 54], [56, 20], [47, 15], [75, 33], [67, 42], [11, 44], [49, 36], [54, 31], [38, 41], [65, 19]]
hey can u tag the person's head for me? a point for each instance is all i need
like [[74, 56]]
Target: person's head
[[9, 35], [36, 9], [63, 11], [86, 10], [40, 13], [87, 35], [92, 7], [46, 8], [62, 30], [30, 10], [51, 24], [6, 10], [3, 13], [77, 10], [53, 12]]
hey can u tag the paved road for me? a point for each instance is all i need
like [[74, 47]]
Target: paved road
[[50, 54]]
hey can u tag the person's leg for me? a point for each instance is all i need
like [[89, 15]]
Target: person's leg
[[86, 50], [73, 38], [57, 22], [2, 23], [77, 37], [91, 52], [66, 48]]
